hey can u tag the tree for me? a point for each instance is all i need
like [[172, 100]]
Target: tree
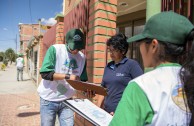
[[2, 55], [10, 55]]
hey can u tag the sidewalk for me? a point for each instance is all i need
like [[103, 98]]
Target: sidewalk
[[19, 101]]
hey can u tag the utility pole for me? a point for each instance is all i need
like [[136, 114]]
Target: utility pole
[[39, 23], [16, 43]]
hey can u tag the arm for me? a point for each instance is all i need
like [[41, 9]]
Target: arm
[[101, 97], [100, 101], [84, 76], [134, 108], [49, 61], [48, 67], [59, 76]]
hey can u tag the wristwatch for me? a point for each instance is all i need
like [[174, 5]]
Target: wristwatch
[[67, 76]]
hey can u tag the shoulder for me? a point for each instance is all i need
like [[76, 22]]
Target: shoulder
[[146, 78], [58, 46], [110, 63], [132, 61]]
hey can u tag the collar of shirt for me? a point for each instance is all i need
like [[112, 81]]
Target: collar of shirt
[[112, 64]]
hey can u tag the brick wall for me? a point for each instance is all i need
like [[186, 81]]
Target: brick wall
[[59, 33], [102, 24], [49, 39], [28, 30], [98, 19], [69, 5], [77, 17]]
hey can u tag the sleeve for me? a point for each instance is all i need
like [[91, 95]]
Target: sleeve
[[84, 76], [103, 83], [134, 108], [47, 75], [135, 70], [49, 60]]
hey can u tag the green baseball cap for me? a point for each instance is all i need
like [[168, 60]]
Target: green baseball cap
[[167, 27], [75, 39], [20, 54]]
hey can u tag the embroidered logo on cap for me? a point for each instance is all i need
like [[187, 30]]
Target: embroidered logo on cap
[[77, 38]]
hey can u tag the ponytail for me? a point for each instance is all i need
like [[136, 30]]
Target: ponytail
[[187, 77]]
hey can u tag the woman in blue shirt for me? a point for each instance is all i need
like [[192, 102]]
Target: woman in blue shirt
[[117, 73]]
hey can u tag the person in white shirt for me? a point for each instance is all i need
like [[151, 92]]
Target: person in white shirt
[[61, 62], [20, 66]]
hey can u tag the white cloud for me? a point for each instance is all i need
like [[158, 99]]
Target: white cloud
[[5, 29], [50, 21]]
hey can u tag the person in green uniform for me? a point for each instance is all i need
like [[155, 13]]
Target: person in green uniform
[[61, 62], [165, 95]]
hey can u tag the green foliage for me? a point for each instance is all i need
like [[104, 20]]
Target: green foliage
[[3, 66], [1, 56], [5, 61], [10, 55]]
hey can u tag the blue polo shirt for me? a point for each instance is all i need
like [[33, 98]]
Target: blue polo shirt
[[116, 78]]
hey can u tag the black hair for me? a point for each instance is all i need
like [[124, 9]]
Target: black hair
[[167, 51], [187, 77], [118, 42]]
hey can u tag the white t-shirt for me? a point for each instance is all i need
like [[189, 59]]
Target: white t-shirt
[[63, 62], [163, 89], [20, 62]]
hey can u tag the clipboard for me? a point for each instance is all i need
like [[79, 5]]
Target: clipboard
[[89, 111], [84, 86]]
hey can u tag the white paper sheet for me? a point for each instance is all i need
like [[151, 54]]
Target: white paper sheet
[[89, 111]]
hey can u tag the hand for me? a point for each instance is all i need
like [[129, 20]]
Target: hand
[[74, 77], [112, 113], [90, 93]]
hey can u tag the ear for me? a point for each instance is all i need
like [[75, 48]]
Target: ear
[[154, 45]]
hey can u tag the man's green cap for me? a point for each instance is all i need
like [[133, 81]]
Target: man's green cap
[[75, 39], [20, 54], [167, 27]]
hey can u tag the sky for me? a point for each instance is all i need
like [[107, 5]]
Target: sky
[[13, 12]]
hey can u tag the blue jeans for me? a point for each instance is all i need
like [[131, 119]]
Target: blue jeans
[[49, 110]]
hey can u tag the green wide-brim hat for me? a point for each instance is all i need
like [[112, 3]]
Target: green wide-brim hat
[[166, 27], [75, 39]]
